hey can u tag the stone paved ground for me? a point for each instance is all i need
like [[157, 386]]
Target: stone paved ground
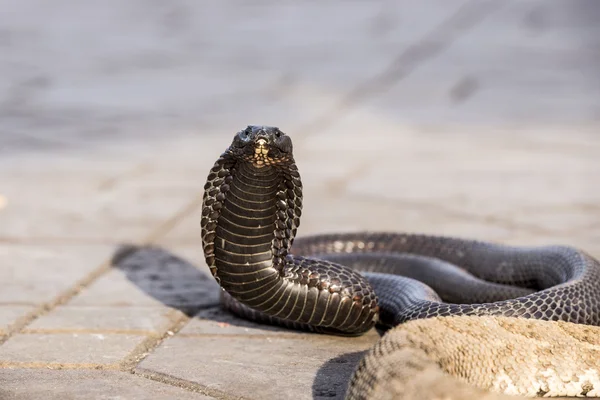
[[470, 118]]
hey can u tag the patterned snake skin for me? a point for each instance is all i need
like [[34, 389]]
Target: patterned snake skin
[[251, 212]]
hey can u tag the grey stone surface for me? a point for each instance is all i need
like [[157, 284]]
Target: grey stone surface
[[471, 118], [10, 313], [262, 366], [214, 321], [28, 384], [151, 276], [587, 240], [33, 274], [184, 237], [142, 320], [109, 209], [68, 348], [114, 290], [498, 195], [525, 63]]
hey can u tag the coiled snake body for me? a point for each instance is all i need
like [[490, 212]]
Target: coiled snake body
[[251, 212]]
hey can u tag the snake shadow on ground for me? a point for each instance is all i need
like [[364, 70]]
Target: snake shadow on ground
[[333, 377], [179, 284], [176, 283]]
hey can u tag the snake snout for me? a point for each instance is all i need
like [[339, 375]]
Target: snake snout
[[265, 135], [262, 146], [262, 141]]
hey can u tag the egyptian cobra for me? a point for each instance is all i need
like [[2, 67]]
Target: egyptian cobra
[[471, 315]]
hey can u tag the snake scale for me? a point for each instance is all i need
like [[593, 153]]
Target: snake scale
[[453, 304]]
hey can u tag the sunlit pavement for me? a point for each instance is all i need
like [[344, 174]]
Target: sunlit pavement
[[477, 119]]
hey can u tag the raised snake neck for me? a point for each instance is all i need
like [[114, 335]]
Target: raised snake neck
[[249, 221], [251, 211]]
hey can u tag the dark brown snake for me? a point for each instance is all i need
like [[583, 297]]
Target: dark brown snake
[[251, 212]]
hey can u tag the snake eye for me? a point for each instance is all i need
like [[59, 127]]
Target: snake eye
[[278, 133], [241, 138]]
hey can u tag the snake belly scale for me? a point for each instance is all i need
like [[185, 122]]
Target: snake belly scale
[[251, 212]]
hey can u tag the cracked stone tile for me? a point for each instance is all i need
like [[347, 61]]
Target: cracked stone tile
[[68, 348], [26, 384], [263, 366]]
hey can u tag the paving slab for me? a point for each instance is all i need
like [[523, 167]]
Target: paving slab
[[550, 47], [398, 216], [259, 366], [140, 320], [28, 384], [34, 274], [566, 218], [10, 313], [151, 276], [104, 211], [588, 240], [492, 180], [96, 349], [217, 321]]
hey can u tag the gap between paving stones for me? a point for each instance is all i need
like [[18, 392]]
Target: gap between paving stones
[[152, 340], [185, 384], [68, 294], [467, 16], [142, 350], [174, 316]]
